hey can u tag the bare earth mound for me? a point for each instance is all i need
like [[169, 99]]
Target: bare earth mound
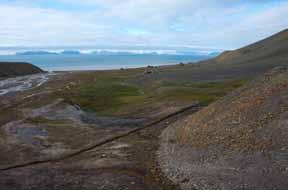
[[9, 69], [238, 142]]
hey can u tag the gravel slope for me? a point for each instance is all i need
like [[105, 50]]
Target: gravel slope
[[238, 142]]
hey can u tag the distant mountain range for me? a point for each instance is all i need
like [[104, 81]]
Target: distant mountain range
[[112, 50], [116, 52]]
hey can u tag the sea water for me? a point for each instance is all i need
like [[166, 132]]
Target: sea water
[[99, 62]]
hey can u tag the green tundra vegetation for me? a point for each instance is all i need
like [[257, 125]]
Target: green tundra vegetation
[[109, 94]]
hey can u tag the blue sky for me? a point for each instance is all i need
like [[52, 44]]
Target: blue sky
[[225, 24]]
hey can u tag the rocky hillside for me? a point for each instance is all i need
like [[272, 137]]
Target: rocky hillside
[[12, 69], [238, 142], [273, 47], [246, 62]]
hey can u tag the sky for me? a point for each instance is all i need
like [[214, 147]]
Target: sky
[[222, 24]]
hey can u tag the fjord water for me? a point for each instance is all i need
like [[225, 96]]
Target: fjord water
[[62, 62]]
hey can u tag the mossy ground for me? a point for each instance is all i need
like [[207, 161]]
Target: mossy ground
[[110, 94]]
